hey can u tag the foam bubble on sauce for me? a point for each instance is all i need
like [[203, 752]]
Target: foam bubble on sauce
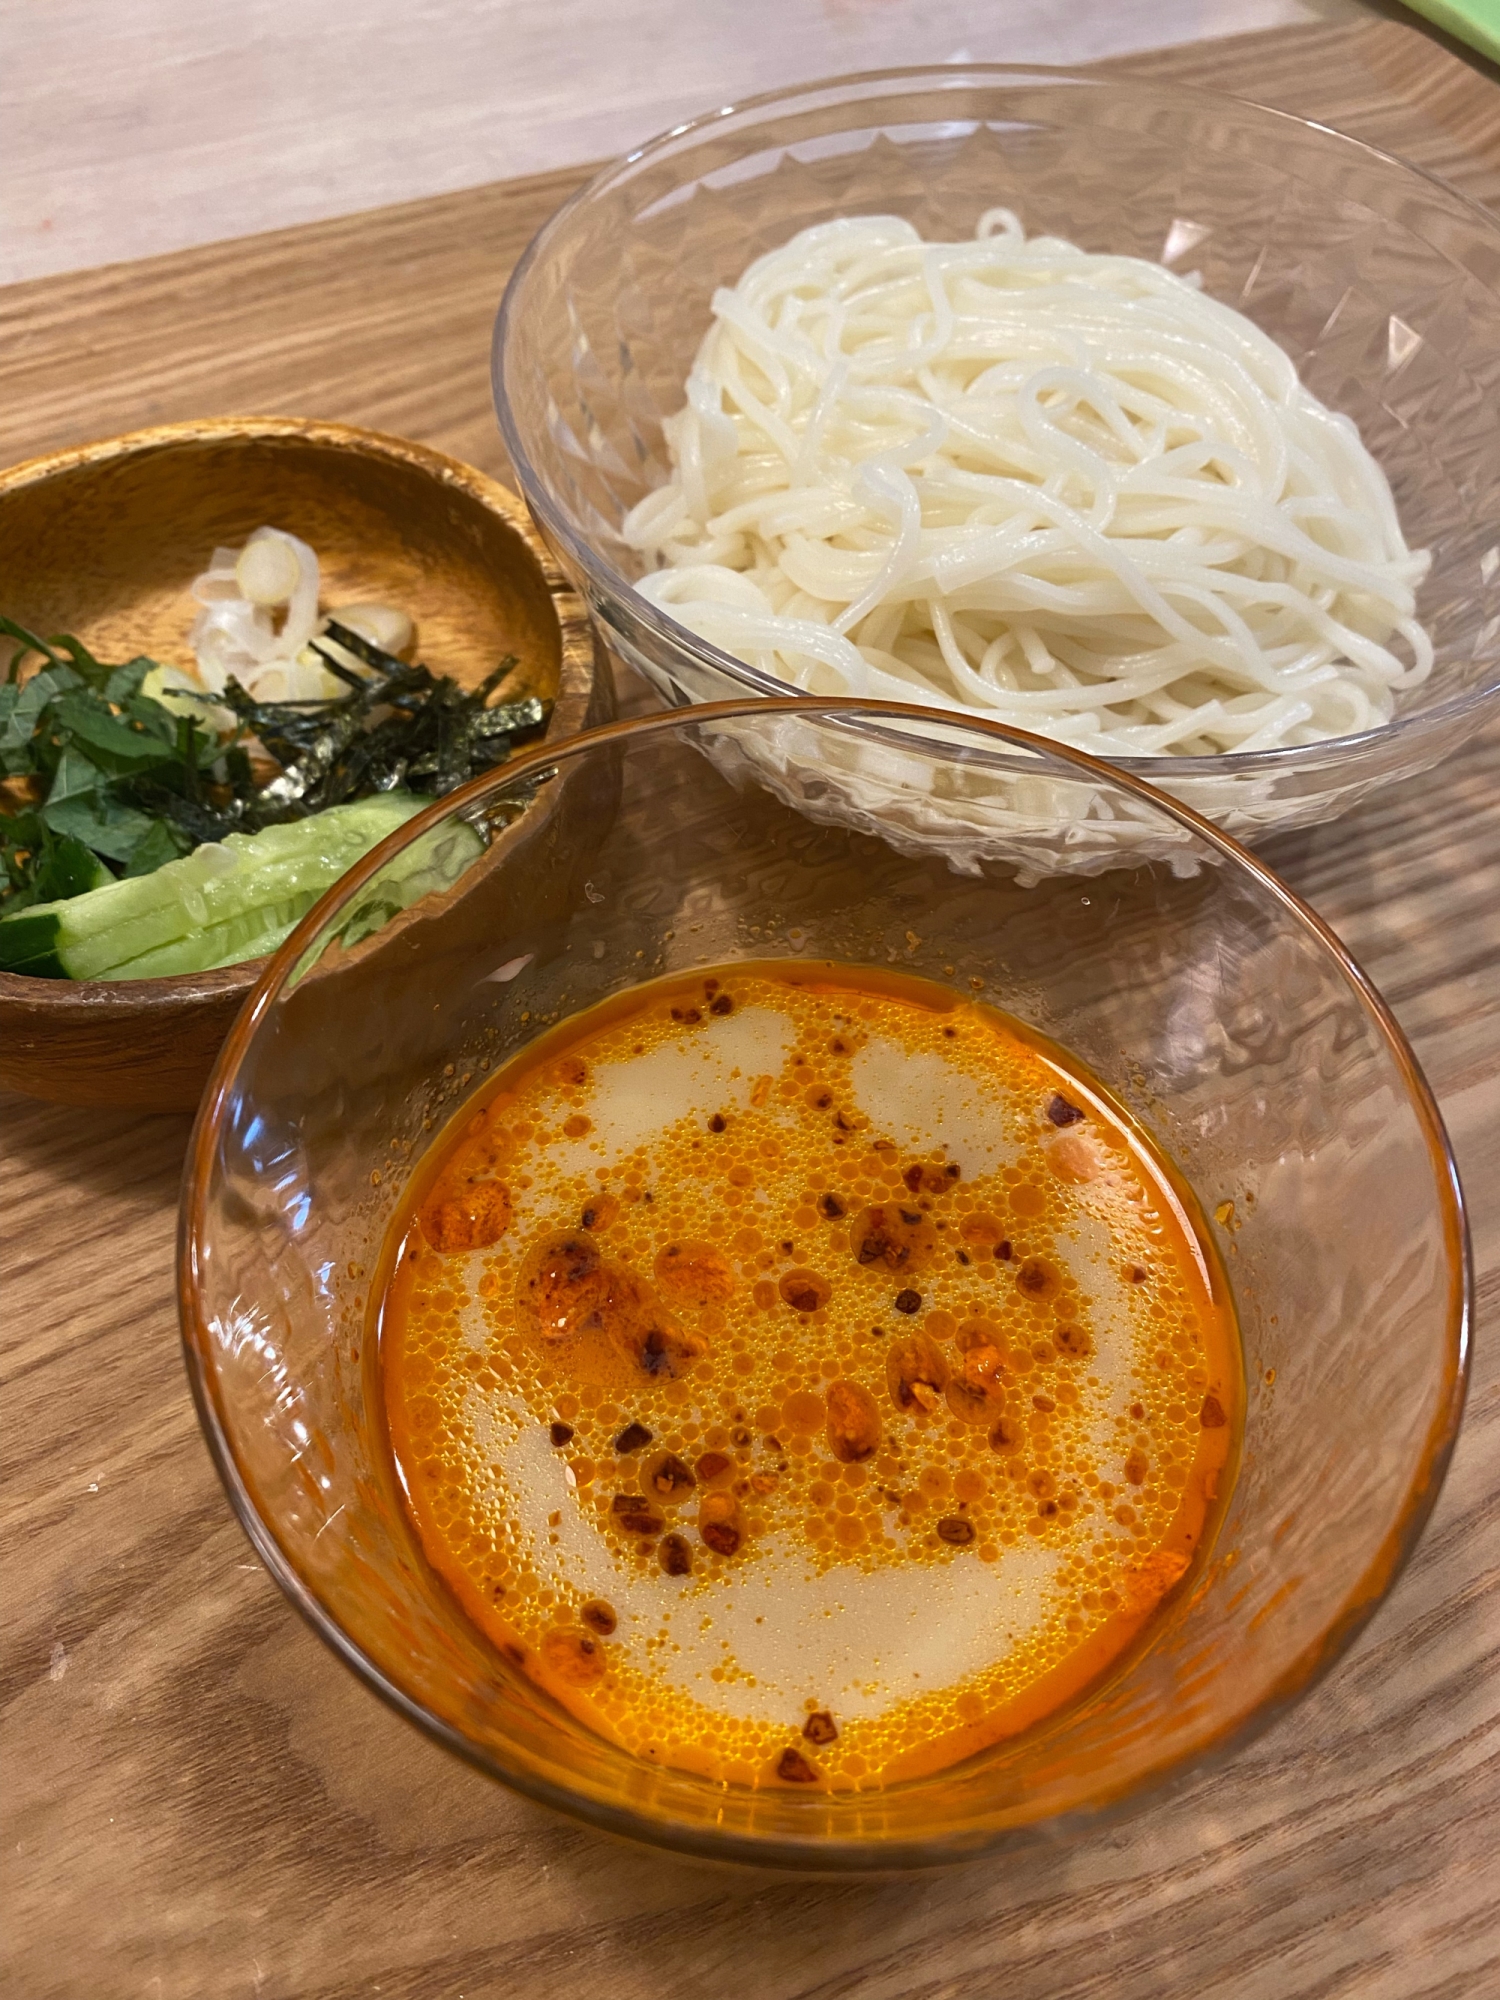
[[887, 1589], [925, 1101], [866, 1640], [635, 1099], [862, 1641]]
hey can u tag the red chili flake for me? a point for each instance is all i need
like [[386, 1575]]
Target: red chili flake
[[713, 1465], [832, 1207], [723, 1537], [632, 1438], [561, 1433], [672, 1476], [793, 1769], [955, 1530], [689, 1015], [599, 1617], [913, 1178], [721, 1004], [1211, 1416], [656, 1359], [675, 1555], [1003, 1250], [1061, 1112], [635, 1515], [908, 1302], [1137, 1274], [820, 1728], [1036, 1276], [805, 1291], [717, 1122]]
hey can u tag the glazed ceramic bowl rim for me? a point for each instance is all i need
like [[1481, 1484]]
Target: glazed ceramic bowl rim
[[1305, 1672], [611, 584]]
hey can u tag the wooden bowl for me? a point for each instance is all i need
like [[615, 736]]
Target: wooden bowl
[[104, 540]]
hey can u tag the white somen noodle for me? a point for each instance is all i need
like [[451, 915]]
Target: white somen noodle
[[1065, 491]]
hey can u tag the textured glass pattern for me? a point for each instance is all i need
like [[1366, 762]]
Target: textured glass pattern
[[1383, 285], [1210, 1002]]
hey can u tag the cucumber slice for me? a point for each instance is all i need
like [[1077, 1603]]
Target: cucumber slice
[[27, 941], [228, 900]]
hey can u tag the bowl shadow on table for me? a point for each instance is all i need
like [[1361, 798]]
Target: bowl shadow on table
[[617, 890]]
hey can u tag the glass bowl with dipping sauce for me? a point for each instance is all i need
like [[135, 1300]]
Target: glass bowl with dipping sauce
[[791, 1350], [1378, 281]]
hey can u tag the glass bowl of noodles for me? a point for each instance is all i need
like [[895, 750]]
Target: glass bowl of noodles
[[1150, 421]]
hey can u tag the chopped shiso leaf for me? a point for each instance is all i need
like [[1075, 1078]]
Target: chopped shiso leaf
[[103, 787]]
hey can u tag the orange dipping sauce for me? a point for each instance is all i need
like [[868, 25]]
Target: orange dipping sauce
[[808, 1375]]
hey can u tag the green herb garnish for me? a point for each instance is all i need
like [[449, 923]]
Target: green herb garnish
[[101, 781]]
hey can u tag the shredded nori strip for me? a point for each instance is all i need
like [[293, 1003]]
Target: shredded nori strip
[[399, 727], [99, 770]]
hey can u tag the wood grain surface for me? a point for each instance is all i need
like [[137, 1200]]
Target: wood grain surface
[[199, 1802]]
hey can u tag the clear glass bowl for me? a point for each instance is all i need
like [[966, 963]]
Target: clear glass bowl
[[1381, 283], [1218, 1008]]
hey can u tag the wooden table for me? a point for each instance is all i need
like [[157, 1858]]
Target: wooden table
[[200, 1803]]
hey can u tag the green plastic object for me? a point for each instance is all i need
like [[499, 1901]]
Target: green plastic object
[[1476, 22]]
